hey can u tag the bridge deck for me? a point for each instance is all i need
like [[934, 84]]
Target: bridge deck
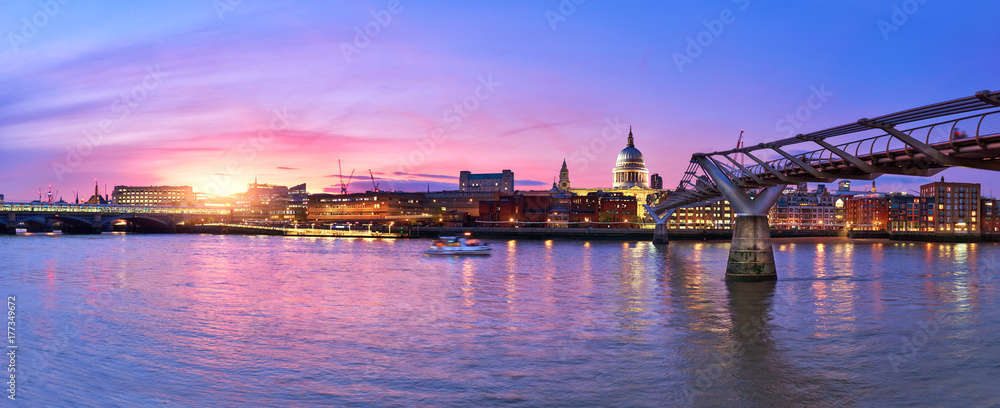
[[106, 209], [970, 141]]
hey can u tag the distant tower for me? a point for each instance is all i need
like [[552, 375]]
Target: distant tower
[[96, 198], [655, 181], [564, 177]]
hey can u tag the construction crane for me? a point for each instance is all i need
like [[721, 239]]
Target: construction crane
[[343, 185], [374, 184], [739, 145]]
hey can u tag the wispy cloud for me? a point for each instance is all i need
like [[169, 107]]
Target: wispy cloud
[[225, 77], [438, 176]]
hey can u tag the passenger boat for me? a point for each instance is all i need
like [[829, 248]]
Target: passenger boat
[[458, 246]]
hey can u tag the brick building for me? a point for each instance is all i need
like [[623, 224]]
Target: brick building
[[867, 213], [957, 206]]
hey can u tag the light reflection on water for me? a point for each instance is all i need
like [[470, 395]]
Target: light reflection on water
[[186, 320]]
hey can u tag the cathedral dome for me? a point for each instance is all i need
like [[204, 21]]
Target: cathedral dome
[[629, 155], [630, 168]]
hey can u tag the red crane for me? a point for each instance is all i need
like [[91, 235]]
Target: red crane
[[343, 185], [739, 145], [374, 184]]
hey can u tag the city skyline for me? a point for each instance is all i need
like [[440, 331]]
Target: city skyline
[[224, 92]]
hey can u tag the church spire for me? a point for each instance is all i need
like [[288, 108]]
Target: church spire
[[630, 143], [563, 177]]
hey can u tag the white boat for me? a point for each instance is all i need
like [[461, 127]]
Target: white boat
[[458, 246]]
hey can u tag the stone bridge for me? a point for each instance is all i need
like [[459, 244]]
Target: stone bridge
[[94, 218]]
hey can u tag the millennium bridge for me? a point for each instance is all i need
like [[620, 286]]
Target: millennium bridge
[[94, 218], [922, 141]]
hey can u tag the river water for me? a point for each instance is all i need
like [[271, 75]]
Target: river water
[[201, 320]]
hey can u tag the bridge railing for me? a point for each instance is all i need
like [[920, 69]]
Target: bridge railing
[[108, 209], [941, 136], [891, 150]]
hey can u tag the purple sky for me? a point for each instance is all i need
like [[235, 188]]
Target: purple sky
[[211, 95]]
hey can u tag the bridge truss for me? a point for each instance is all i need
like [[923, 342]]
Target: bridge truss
[[971, 141], [922, 141]]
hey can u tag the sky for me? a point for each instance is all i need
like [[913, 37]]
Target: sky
[[217, 93]]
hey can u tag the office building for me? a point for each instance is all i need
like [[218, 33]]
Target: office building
[[161, 196], [502, 182], [957, 206]]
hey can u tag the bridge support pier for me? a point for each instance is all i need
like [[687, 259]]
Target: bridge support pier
[[10, 230], [660, 230], [660, 234], [751, 256]]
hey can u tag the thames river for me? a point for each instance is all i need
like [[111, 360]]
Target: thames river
[[201, 320]]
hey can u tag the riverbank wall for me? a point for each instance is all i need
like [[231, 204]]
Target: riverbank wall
[[586, 234]]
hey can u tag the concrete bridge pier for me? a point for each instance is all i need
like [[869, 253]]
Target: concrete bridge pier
[[660, 234], [660, 230], [97, 226], [751, 256]]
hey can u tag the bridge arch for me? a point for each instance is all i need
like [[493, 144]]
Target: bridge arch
[[43, 221], [143, 223]]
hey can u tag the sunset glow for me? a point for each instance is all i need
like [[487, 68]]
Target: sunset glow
[[214, 94]]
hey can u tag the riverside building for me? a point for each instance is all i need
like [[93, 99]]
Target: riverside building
[[957, 206], [502, 182], [163, 196]]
